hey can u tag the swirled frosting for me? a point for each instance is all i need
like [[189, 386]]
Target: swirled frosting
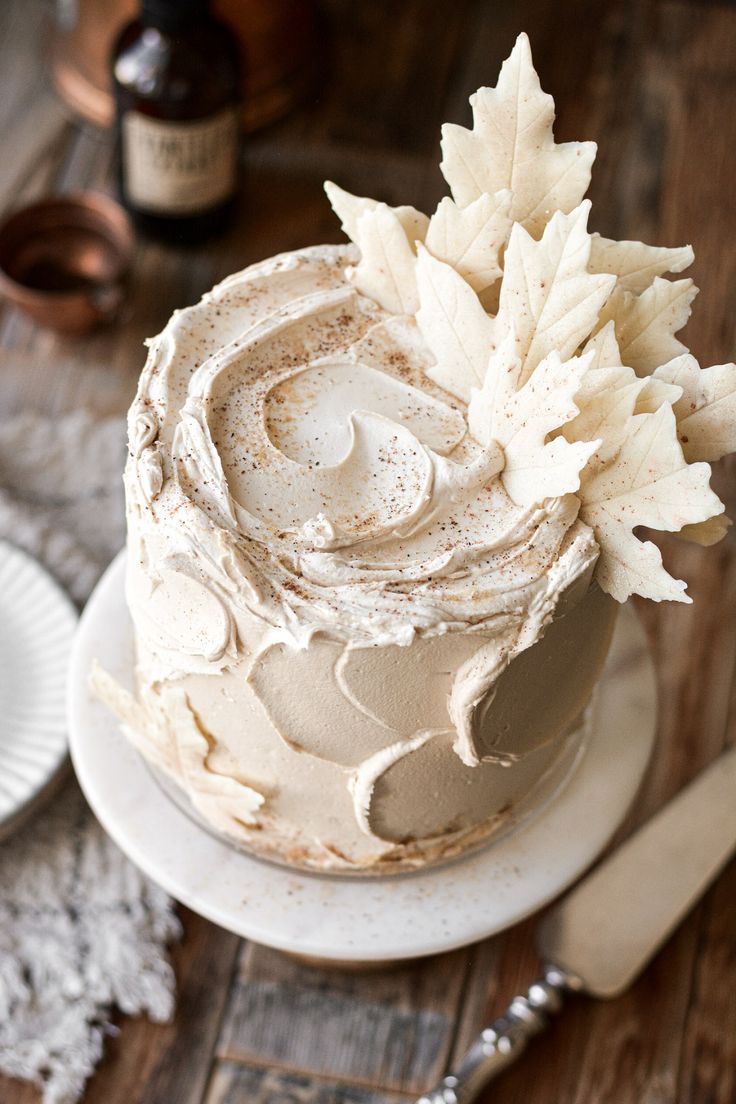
[[286, 430], [312, 525]]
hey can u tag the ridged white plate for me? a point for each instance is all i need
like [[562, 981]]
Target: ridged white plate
[[353, 919], [37, 624]]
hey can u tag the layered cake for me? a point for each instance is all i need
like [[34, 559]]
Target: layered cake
[[381, 500]]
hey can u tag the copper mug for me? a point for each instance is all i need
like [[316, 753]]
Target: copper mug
[[64, 260]]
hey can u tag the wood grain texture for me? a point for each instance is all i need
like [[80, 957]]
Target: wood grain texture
[[708, 1059], [653, 82], [237, 1084], [390, 1029]]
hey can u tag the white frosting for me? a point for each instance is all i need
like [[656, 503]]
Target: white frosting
[[308, 513], [175, 741], [383, 521]]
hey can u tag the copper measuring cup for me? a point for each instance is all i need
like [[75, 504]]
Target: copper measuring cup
[[64, 260]]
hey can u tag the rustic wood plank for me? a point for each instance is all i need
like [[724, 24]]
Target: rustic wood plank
[[622, 111], [564, 40], [236, 1084], [32, 122], [708, 1068], [480, 994], [394, 104], [390, 1028], [18, 1092], [380, 108], [693, 51]]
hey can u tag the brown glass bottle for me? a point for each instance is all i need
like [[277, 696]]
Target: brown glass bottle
[[176, 76]]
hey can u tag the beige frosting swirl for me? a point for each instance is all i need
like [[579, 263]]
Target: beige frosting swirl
[[292, 464]]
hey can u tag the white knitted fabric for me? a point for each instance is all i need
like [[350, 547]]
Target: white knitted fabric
[[81, 930]]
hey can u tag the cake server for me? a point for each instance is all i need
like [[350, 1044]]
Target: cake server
[[600, 937]]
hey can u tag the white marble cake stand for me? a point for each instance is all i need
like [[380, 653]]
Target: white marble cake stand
[[351, 919]]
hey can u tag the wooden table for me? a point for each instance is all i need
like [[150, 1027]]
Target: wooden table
[[654, 83]]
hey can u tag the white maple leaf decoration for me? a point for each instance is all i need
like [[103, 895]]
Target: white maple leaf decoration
[[386, 271], [471, 238], [706, 423], [547, 293], [521, 420], [648, 483], [646, 324], [350, 207], [706, 410], [606, 354], [654, 394], [609, 395], [634, 263], [454, 325], [512, 146], [579, 379], [605, 351], [386, 237], [607, 404], [519, 414]]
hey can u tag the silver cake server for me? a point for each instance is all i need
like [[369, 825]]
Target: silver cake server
[[599, 938]]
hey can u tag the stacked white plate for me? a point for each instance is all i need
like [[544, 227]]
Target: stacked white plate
[[37, 624]]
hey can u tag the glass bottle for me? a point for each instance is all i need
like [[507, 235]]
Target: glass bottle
[[176, 78]]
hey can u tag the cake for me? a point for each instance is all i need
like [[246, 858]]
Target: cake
[[381, 499]]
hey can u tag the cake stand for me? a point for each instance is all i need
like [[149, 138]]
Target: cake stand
[[349, 919]]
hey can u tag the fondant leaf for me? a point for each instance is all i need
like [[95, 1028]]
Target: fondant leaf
[[618, 422], [386, 237], [610, 394], [647, 483], [707, 532], [521, 421], [706, 412], [606, 353], [536, 468], [547, 294], [512, 146], [454, 326], [634, 263], [654, 393], [386, 271], [470, 238], [646, 324], [606, 406], [499, 384], [349, 208]]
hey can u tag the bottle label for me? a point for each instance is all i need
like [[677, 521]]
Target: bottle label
[[173, 168]]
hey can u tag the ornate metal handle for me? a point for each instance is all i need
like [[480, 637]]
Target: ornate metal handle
[[502, 1042]]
